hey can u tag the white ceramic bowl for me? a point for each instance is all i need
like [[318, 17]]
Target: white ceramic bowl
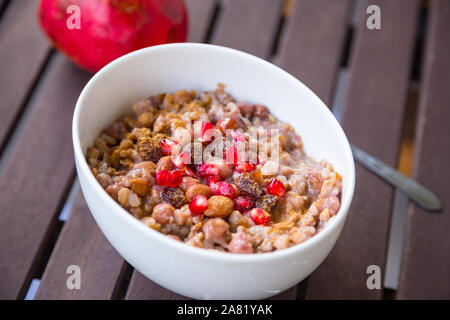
[[190, 271]]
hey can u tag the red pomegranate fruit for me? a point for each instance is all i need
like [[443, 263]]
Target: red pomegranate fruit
[[95, 32]]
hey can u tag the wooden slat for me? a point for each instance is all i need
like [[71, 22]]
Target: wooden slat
[[372, 118], [36, 175], [248, 25], [426, 256], [141, 288], [23, 50], [236, 28], [312, 45], [81, 243], [144, 289], [200, 14]]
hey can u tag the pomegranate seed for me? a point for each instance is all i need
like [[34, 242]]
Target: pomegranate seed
[[207, 131], [198, 205], [243, 204], [276, 188], [166, 146], [174, 178], [211, 181], [225, 189], [259, 216], [162, 177], [245, 167], [181, 159], [207, 169], [231, 156]]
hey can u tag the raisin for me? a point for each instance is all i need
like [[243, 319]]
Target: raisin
[[267, 202], [173, 196], [247, 184]]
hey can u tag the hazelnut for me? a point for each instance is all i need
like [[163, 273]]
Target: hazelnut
[[219, 207]]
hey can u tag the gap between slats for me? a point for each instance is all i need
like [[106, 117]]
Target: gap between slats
[[212, 22], [3, 6]]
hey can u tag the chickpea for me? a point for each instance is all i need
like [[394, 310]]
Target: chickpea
[[217, 231], [163, 213]]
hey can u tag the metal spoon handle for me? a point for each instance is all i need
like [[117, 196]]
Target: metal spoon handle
[[415, 191]]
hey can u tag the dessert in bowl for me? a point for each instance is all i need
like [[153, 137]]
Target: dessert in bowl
[[245, 207], [215, 173]]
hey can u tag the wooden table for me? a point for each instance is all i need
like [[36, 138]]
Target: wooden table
[[389, 87]]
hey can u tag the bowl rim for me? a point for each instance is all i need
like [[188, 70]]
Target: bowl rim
[[227, 257]]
